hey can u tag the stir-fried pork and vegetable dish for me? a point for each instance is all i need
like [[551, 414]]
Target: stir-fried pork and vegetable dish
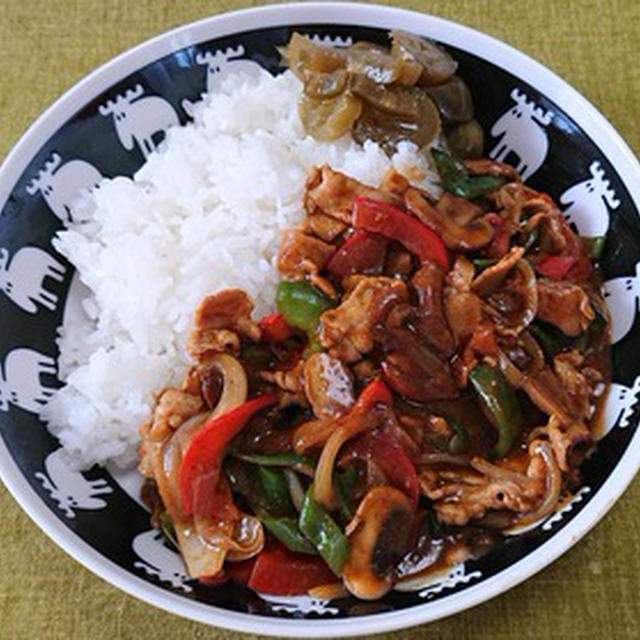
[[432, 378]]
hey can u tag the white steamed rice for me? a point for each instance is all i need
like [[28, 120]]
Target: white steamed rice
[[204, 213]]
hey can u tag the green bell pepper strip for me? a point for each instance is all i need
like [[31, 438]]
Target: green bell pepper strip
[[501, 405], [284, 459], [288, 532], [456, 179], [322, 530], [276, 491], [302, 304]]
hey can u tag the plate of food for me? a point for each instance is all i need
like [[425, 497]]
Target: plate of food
[[319, 312]]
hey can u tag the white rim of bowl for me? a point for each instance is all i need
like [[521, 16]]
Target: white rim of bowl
[[502, 55]]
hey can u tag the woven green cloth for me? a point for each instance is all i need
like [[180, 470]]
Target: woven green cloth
[[592, 591]]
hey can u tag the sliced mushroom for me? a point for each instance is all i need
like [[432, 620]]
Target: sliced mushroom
[[475, 235], [328, 385], [379, 535]]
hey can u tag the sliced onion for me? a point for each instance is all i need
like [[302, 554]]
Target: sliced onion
[[443, 458], [202, 559], [234, 383], [553, 484], [533, 349], [514, 376], [248, 539], [544, 398], [531, 297], [495, 472], [352, 425], [323, 490], [296, 490], [312, 434]]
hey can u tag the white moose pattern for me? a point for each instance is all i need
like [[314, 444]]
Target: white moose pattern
[[62, 184], [622, 295], [69, 488], [589, 203], [23, 278], [20, 383], [158, 560], [521, 131], [620, 405], [138, 118], [222, 63]]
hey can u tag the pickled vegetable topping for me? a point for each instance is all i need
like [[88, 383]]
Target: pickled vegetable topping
[[406, 92]]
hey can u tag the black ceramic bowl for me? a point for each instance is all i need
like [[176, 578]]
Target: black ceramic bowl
[[558, 141]]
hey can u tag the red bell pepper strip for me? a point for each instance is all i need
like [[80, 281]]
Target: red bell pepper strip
[[363, 252], [555, 267], [391, 222], [392, 460], [201, 463], [275, 328], [376, 392], [281, 572]]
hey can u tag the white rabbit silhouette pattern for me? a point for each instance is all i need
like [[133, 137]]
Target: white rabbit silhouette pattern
[[23, 278], [69, 488]]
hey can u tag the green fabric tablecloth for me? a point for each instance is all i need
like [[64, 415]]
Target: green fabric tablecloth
[[592, 591]]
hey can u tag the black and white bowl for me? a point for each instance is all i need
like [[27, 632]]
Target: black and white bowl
[[558, 141]]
